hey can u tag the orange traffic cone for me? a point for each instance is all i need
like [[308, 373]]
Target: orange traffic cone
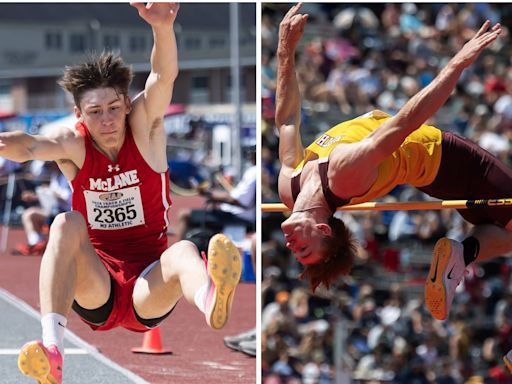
[[152, 343]]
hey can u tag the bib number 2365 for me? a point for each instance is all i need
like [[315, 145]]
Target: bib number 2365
[[114, 210]]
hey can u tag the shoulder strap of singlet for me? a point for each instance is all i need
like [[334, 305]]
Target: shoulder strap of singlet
[[84, 131], [295, 185], [333, 200], [80, 127], [129, 135]]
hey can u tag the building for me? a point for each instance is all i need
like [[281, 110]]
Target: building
[[39, 39]]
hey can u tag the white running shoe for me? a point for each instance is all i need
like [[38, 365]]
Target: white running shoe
[[248, 347], [233, 342], [508, 360], [446, 273]]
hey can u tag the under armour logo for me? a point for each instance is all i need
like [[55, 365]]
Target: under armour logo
[[112, 168]]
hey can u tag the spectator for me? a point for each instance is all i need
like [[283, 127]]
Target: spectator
[[51, 199], [237, 207]]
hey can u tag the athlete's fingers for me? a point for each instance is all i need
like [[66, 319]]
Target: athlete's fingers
[[292, 11], [137, 5], [496, 27], [489, 39], [482, 29], [302, 21], [295, 20]]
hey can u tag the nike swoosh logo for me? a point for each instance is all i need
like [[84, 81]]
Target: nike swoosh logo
[[433, 278], [450, 273], [61, 324]]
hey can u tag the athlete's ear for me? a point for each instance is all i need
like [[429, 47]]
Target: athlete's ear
[[128, 103], [325, 229], [78, 113]]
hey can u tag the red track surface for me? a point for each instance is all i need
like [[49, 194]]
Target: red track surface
[[199, 355]]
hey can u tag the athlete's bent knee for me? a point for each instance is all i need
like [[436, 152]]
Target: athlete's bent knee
[[183, 248], [178, 253], [68, 226], [69, 222]]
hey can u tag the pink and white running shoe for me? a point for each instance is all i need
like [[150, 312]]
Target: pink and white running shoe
[[41, 363], [224, 268], [446, 273]]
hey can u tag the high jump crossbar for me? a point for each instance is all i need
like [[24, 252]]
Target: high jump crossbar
[[406, 206]]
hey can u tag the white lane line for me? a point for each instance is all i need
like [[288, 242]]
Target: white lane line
[[215, 365], [27, 309], [67, 351]]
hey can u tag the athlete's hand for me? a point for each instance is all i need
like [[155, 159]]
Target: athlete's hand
[[291, 29], [158, 14], [472, 49]]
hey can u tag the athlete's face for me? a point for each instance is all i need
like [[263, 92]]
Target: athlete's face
[[103, 110], [305, 239]]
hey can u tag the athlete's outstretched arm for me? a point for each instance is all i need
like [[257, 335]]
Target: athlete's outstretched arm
[[164, 64], [20, 147], [288, 100], [425, 103]]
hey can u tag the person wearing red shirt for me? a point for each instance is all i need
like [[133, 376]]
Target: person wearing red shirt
[[108, 258]]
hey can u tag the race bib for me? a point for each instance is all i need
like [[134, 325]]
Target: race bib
[[114, 210]]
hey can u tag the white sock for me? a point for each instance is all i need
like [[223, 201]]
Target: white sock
[[200, 297], [54, 325], [33, 238]]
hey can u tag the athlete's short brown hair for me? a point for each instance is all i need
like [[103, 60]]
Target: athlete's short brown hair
[[340, 250], [106, 70]]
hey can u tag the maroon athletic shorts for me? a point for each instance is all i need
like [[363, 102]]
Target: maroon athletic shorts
[[470, 172]]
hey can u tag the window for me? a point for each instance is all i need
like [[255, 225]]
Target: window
[[77, 42], [217, 42], [229, 92], [200, 82], [6, 100], [137, 43], [111, 42], [53, 41], [199, 92], [193, 43]]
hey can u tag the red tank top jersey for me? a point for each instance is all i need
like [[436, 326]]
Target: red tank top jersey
[[125, 204]]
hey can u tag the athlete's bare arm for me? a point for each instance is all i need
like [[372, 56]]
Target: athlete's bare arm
[[146, 118], [429, 100], [291, 151], [357, 162], [63, 146]]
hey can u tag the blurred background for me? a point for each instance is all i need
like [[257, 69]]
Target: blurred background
[[372, 326]]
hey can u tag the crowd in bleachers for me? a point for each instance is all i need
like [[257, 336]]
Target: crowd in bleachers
[[372, 326]]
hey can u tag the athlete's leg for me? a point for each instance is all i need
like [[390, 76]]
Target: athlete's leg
[[494, 241], [180, 272], [451, 258], [70, 268]]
